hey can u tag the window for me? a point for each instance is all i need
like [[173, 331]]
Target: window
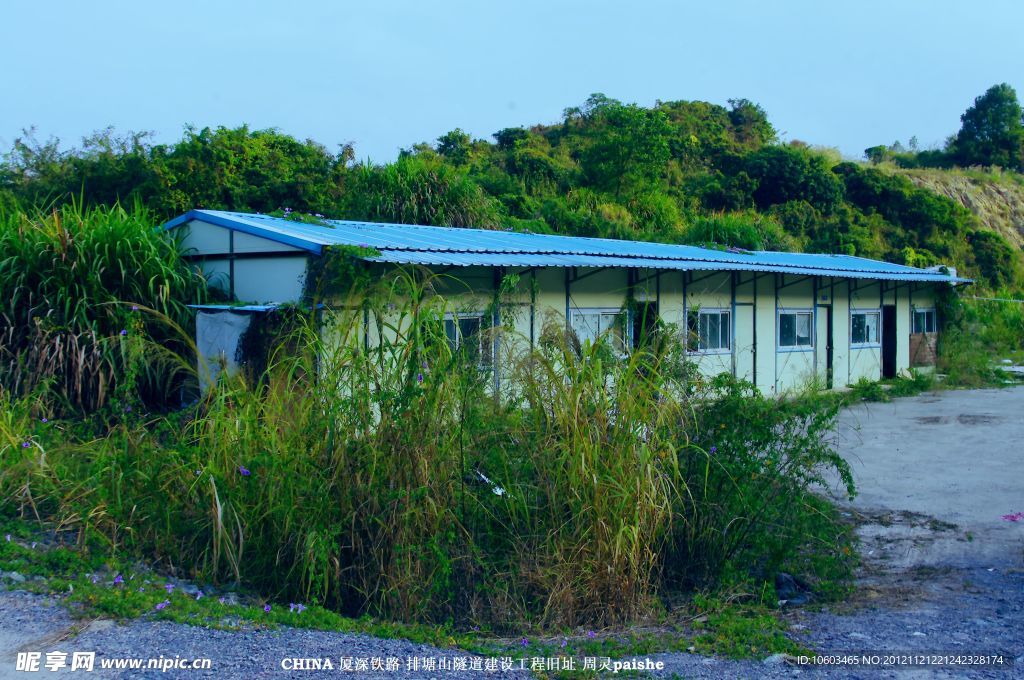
[[465, 334], [709, 330], [795, 330], [864, 327], [924, 321], [591, 324]]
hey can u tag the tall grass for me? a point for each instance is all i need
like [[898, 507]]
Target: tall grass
[[977, 334], [391, 481], [76, 288]]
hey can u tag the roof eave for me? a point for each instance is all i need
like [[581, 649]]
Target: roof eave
[[211, 217]]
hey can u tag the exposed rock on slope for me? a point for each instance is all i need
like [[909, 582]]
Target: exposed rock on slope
[[997, 199]]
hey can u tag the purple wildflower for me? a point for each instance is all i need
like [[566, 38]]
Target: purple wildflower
[[124, 332], [419, 377], [162, 605], [524, 642], [221, 600], [169, 587], [591, 634], [713, 450], [8, 537], [127, 409], [25, 445], [266, 608], [199, 595], [95, 579], [297, 608], [564, 643], [44, 420], [244, 470], [142, 589], [34, 545], [118, 580], [135, 308]]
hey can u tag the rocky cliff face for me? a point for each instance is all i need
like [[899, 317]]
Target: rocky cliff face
[[996, 198]]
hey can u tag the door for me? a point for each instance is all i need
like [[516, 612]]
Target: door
[[889, 341], [824, 344]]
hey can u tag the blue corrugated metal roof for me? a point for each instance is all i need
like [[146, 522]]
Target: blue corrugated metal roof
[[451, 246], [242, 308], [235, 308]]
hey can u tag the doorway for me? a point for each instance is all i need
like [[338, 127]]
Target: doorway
[[645, 324], [889, 341]]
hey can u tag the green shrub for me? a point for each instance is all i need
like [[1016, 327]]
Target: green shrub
[[749, 477], [750, 231]]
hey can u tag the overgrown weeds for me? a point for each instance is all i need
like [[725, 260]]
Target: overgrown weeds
[[391, 481]]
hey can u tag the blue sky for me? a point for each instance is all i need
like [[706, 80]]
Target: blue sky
[[385, 75]]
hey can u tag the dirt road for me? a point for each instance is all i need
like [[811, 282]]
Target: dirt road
[[943, 571], [953, 457]]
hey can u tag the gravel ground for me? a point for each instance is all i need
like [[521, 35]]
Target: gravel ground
[[942, 572], [32, 622]]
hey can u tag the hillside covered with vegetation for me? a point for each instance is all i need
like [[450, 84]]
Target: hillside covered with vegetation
[[679, 171]]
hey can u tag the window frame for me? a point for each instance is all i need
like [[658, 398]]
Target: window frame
[[795, 311], [914, 311], [709, 311], [485, 357], [624, 345], [877, 342]]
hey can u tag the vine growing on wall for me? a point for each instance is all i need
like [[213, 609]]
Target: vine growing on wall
[[338, 271], [267, 332]]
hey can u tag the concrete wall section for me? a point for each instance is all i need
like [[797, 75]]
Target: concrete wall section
[[744, 338], [217, 272], [903, 320], [230, 260], [246, 243], [839, 292], [764, 328], [271, 279], [201, 238]]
